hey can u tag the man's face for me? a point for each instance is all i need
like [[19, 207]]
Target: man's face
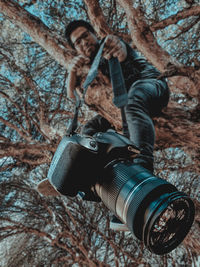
[[84, 41]]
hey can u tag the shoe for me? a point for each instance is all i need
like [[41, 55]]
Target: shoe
[[117, 225]]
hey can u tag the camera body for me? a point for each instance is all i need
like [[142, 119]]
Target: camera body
[[152, 208], [79, 160]]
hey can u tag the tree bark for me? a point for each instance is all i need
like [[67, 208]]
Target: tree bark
[[193, 11], [54, 44], [143, 37], [97, 18], [145, 42]]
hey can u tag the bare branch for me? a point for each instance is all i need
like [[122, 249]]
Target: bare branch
[[31, 154], [97, 18], [192, 11], [60, 98], [25, 114], [143, 37], [184, 29], [22, 133], [56, 46]]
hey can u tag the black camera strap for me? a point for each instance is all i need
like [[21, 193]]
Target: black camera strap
[[73, 126], [119, 90], [120, 98]]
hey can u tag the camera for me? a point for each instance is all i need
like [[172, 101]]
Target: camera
[[152, 208]]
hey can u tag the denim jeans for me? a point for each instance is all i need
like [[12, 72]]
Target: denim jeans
[[146, 98]]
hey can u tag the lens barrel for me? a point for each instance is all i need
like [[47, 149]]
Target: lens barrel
[[152, 208]]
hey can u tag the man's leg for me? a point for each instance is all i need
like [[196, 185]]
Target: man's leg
[[146, 98]]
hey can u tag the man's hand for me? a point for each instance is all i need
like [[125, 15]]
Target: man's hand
[[114, 47], [78, 62]]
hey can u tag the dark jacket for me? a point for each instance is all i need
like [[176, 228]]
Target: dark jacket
[[134, 68]]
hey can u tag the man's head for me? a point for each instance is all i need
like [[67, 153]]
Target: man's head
[[81, 36]]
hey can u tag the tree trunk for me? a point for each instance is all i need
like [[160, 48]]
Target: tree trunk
[[54, 44]]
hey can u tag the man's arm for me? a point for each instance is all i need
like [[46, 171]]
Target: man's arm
[[71, 84], [77, 62], [95, 125]]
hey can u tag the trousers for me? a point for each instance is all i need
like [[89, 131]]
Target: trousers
[[146, 99]]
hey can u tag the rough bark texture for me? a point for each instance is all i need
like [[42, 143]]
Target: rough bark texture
[[144, 40], [143, 37], [54, 44], [193, 11], [97, 18]]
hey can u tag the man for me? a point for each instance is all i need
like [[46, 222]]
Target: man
[[84, 41], [147, 94]]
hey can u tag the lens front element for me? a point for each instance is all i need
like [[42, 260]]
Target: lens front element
[[168, 222]]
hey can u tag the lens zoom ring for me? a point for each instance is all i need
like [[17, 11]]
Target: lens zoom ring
[[119, 173], [111, 190]]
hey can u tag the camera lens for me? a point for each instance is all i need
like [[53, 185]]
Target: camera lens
[[168, 222], [152, 208]]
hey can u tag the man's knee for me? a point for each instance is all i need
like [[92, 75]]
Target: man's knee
[[138, 100], [149, 96]]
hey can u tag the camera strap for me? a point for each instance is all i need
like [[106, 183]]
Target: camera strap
[[120, 98]]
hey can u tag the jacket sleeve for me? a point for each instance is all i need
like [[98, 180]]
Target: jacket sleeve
[[96, 124]]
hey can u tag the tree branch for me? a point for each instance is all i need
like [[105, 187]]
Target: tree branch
[[143, 37], [25, 114], [43, 125], [31, 154], [146, 43], [22, 133], [97, 18], [56, 46], [193, 11], [185, 29]]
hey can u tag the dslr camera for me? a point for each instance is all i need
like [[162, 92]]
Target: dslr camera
[[152, 208]]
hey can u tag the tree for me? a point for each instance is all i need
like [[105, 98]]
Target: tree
[[34, 115], [65, 231]]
